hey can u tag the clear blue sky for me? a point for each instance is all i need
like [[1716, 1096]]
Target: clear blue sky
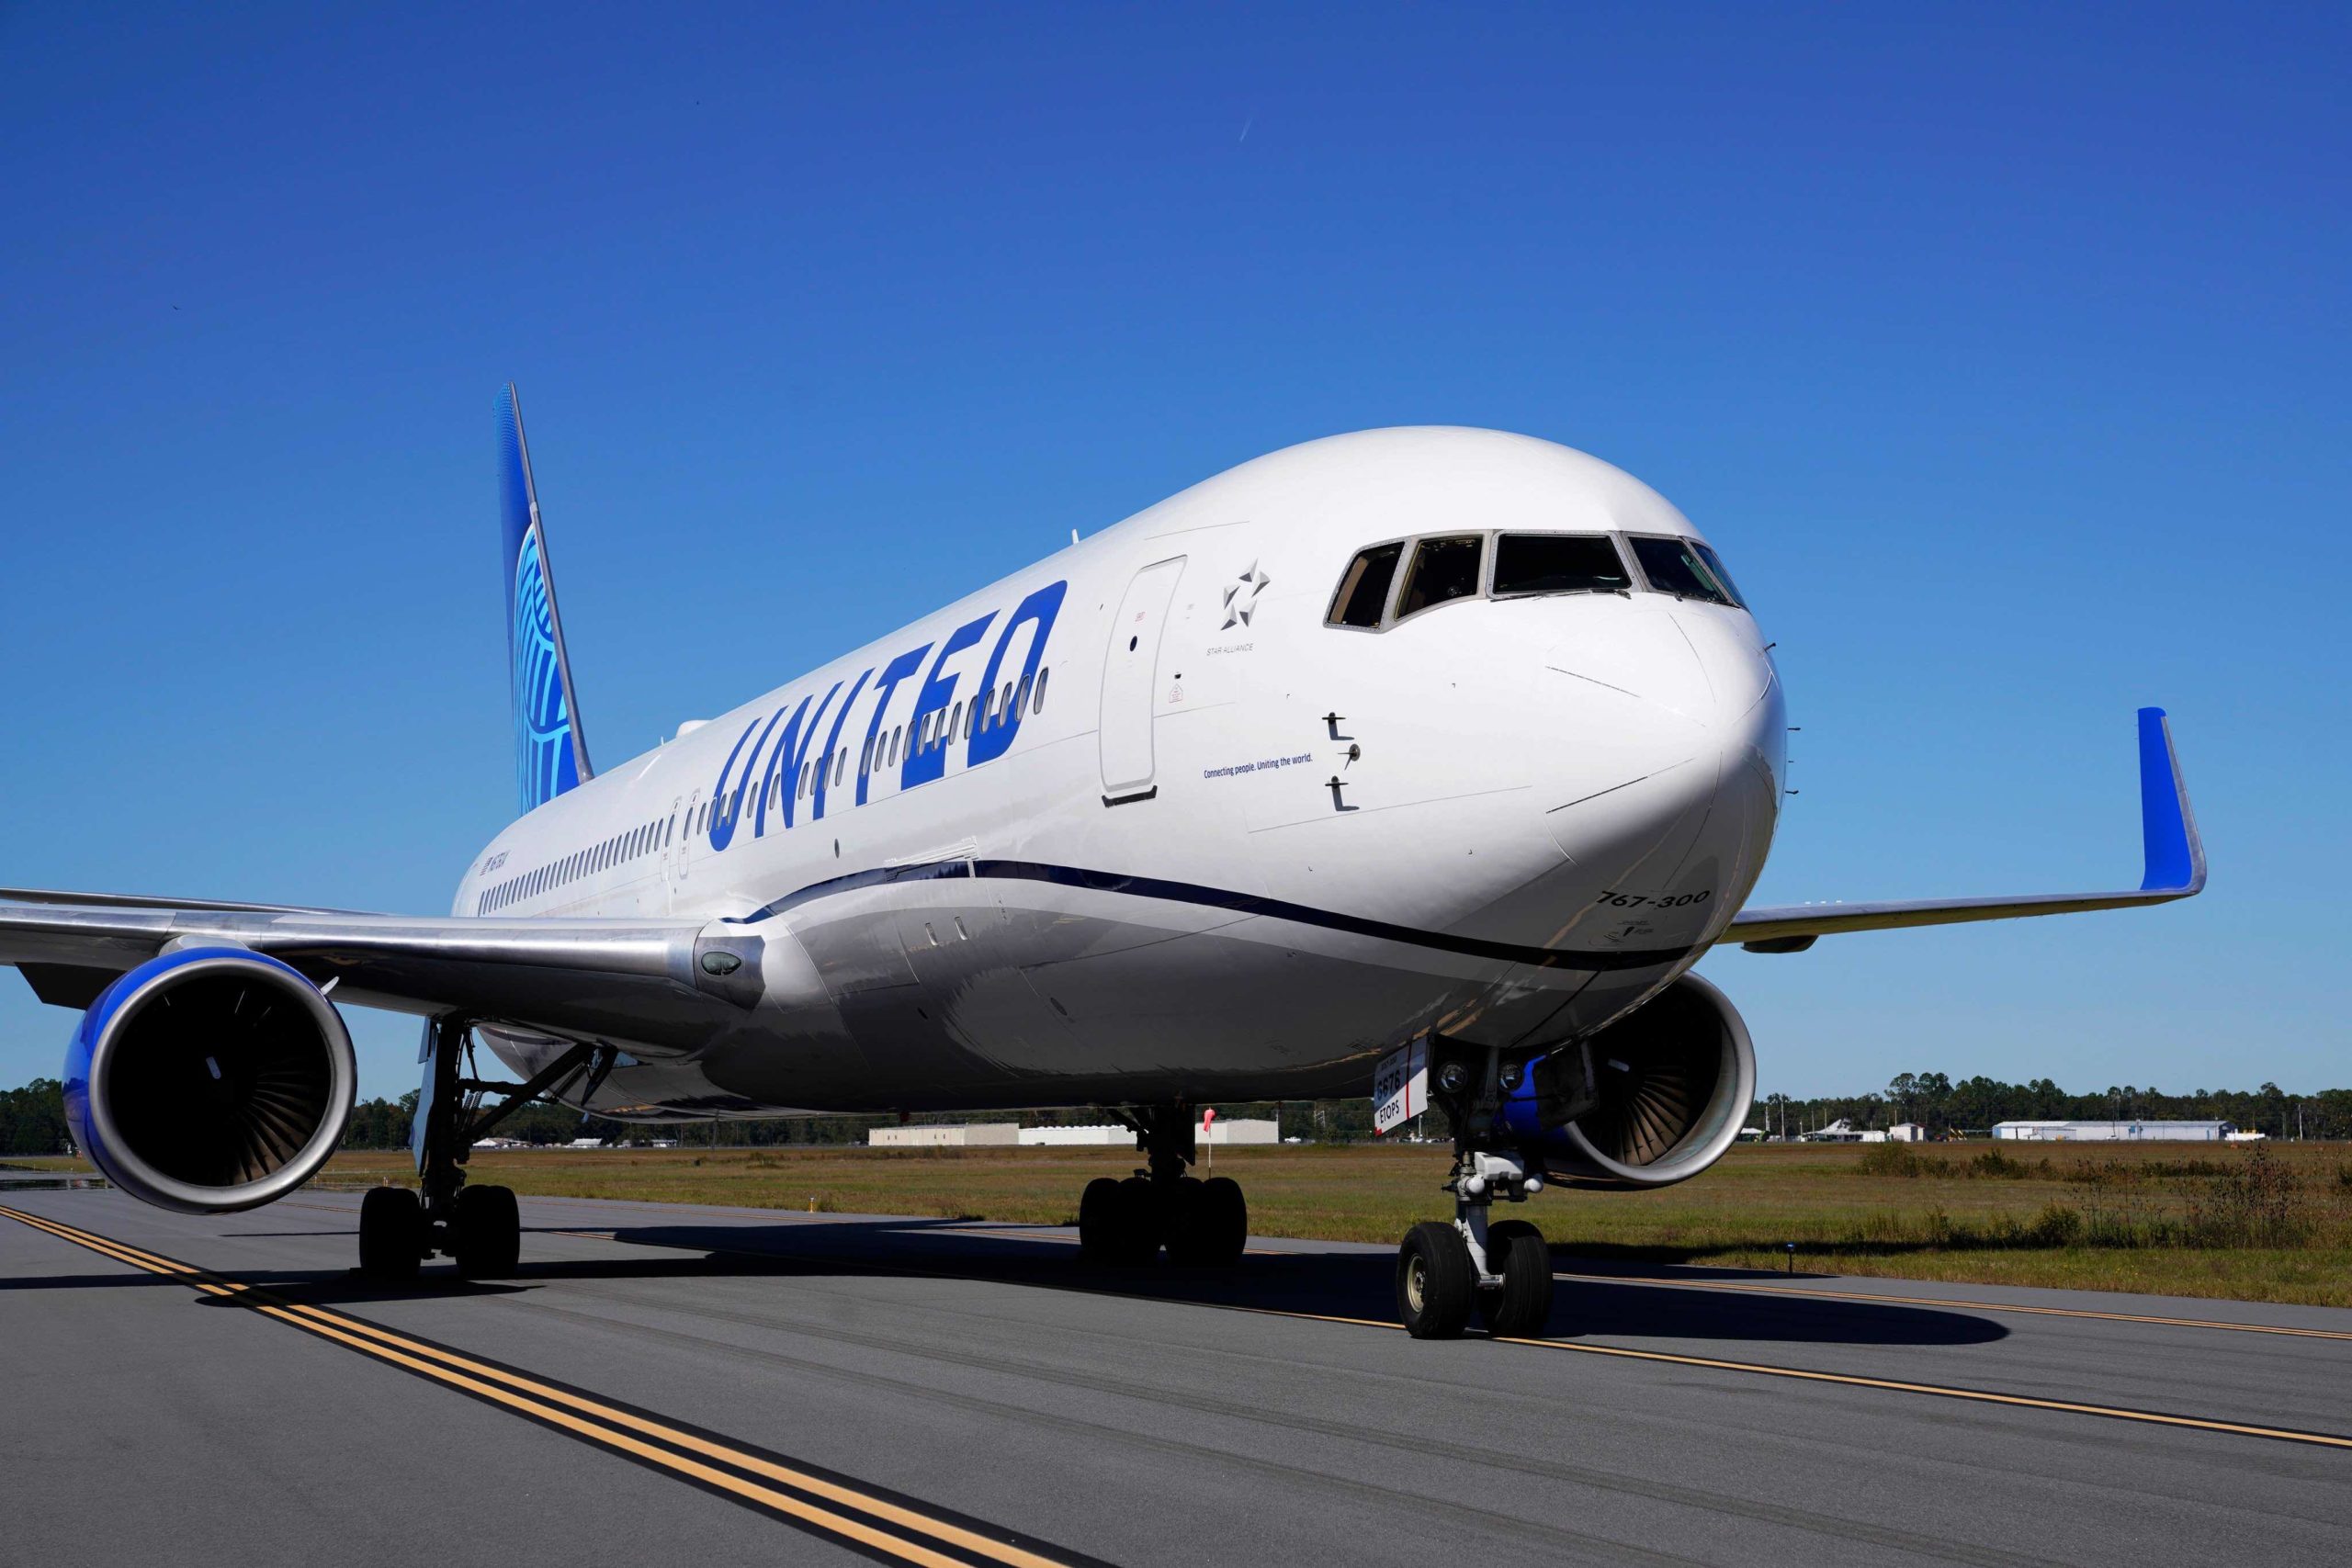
[[2004, 353]]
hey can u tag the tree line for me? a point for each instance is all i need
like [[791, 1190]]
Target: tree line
[[1974, 1104], [32, 1119]]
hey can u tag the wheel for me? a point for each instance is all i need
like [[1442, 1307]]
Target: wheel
[[1102, 1213], [1212, 1223], [1435, 1284], [1141, 1222], [391, 1234], [1521, 1306], [486, 1232]]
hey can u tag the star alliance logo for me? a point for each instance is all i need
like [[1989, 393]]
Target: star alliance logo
[[1242, 597]]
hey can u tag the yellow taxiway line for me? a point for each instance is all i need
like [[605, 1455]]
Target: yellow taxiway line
[[822, 1504], [1803, 1374], [320, 1320]]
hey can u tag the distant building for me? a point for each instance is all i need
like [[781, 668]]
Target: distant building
[[960, 1136], [1223, 1130], [1095, 1134], [1907, 1132], [2114, 1132]]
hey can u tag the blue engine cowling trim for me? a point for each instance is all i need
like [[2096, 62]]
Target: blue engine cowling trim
[[84, 1063]]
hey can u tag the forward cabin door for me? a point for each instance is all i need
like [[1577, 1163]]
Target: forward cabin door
[[1131, 682]]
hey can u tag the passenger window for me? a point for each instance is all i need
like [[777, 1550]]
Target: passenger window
[[1442, 569], [955, 719], [840, 763], [1040, 706], [1682, 568], [1363, 591], [971, 718], [1559, 563]]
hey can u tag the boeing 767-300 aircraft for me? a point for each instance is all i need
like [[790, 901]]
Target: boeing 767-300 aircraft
[[1420, 763]]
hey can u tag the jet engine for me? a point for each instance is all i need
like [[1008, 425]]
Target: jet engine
[[1653, 1099], [209, 1079]]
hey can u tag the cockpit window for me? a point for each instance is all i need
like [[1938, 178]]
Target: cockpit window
[[1363, 591], [1442, 569], [1683, 567], [1559, 563], [1715, 564]]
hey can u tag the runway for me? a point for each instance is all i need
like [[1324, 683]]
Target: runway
[[665, 1383]]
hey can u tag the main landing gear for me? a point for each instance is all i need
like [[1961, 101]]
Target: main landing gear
[[1201, 1223], [478, 1228], [1502, 1272]]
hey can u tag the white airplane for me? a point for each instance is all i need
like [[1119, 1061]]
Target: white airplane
[[1432, 756]]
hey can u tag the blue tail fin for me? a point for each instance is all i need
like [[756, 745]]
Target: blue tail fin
[[550, 753]]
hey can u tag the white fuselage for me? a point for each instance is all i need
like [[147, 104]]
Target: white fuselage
[[1232, 851]]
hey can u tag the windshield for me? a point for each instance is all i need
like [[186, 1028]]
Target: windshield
[[1558, 563], [1683, 567], [1442, 569], [1363, 592]]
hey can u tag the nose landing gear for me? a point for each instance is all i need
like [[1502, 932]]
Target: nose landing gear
[[1500, 1271], [1125, 1222]]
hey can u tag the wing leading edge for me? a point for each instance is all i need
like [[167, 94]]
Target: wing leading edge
[[2175, 869], [641, 980]]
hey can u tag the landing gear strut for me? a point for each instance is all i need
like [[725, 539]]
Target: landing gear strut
[[478, 1228], [1201, 1223], [1502, 1271]]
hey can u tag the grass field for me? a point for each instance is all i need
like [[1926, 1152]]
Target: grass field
[[2269, 1222]]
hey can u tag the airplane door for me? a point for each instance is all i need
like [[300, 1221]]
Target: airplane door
[[1131, 680], [674, 859]]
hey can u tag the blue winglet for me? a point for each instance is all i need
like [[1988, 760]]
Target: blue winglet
[[2176, 857]]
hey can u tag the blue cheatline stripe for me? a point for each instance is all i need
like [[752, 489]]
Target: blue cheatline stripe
[[1226, 899], [2164, 818]]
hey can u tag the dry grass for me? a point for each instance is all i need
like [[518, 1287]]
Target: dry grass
[[2272, 1223]]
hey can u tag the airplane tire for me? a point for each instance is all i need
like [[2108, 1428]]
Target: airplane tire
[[488, 1233], [391, 1234], [1436, 1286], [1213, 1226], [1102, 1216], [1141, 1223], [1520, 1307]]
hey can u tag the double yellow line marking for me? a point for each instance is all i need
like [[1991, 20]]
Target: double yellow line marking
[[830, 1506], [870, 1520]]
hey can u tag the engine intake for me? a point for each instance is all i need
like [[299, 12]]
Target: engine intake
[[1668, 1089], [209, 1079]]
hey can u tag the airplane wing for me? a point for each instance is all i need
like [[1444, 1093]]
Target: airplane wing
[[651, 980], [2175, 869]]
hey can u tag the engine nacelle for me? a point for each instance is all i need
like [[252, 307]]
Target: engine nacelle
[[1668, 1090], [209, 1079]]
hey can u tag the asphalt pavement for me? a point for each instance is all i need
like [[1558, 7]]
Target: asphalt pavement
[[677, 1383]]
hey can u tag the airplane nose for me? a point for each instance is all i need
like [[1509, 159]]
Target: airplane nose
[[1667, 784]]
